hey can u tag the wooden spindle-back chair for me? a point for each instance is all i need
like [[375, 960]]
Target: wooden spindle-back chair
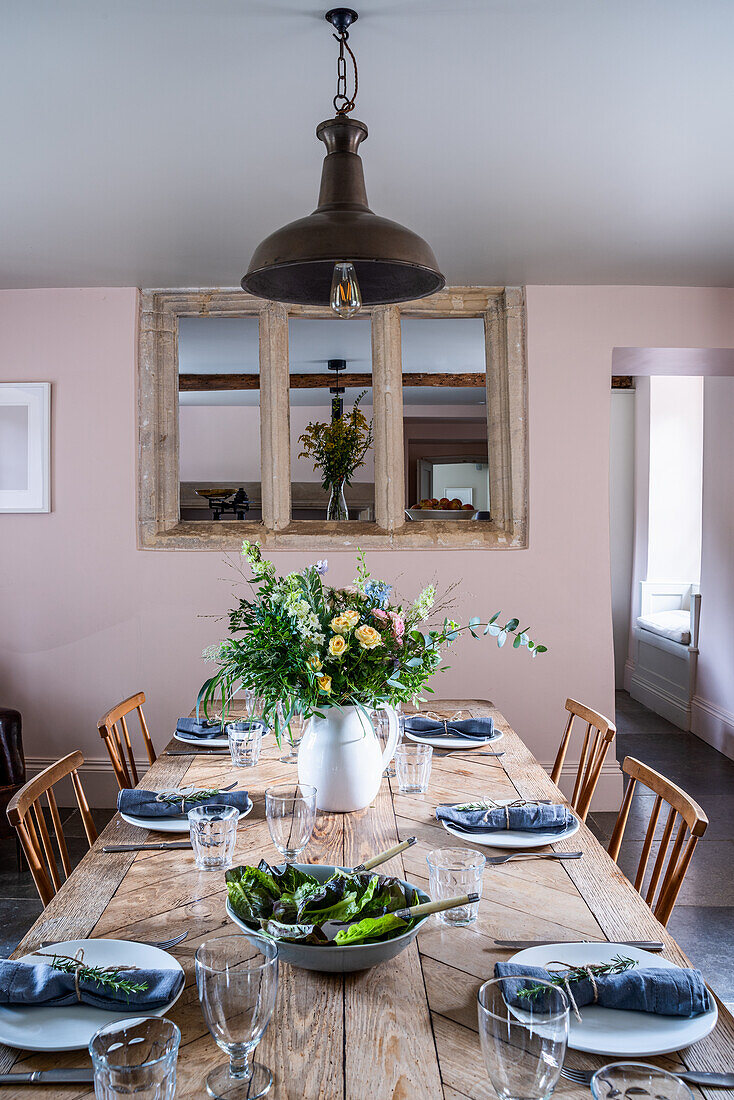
[[592, 757], [116, 736], [25, 814], [692, 823]]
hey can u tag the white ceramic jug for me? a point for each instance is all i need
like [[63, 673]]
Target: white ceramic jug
[[340, 756]]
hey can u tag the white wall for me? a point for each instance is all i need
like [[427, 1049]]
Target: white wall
[[676, 472], [713, 704], [621, 519]]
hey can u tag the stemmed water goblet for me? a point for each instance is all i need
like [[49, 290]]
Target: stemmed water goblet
[[237, 985], [290, 809]]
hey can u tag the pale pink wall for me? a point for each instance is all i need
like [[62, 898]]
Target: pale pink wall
[[88, 618], [713, 706]]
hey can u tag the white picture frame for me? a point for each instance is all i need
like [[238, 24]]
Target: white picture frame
[[25, 446]]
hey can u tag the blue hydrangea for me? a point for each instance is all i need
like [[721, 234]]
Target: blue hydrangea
[[378, 593]]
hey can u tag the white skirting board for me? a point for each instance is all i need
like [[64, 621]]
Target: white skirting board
[[714, 725], [100, 785], [655, 697]]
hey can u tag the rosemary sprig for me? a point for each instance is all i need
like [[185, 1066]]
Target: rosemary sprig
[[188, 794], [108, 976], [618, 965]]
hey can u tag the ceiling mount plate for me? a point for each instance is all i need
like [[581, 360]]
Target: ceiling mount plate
[[341, 19]]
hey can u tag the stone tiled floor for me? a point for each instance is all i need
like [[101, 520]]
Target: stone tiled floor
[[703, 919]]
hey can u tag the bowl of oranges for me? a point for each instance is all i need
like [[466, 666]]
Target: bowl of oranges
[[441, 508]]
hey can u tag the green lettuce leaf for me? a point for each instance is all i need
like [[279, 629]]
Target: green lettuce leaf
[[372, 929]]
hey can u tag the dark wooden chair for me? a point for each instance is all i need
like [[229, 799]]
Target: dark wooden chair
[[26, 815], [593, 754], [114, 732], [666, 879]]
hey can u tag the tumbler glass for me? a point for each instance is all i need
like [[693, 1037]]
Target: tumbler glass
[[413, 767], [637, 1079], [245, 741], [135, 1056], [213, 831], [290, 809], [454, 871], [237, 985], [523, 1039], [382, 729]]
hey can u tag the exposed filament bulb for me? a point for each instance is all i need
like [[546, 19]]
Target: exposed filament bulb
[[346, 297]]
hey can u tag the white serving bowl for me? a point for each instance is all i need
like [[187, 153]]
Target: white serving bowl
[[333, 959]]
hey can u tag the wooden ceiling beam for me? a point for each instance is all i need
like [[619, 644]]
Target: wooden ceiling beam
[[188, 383]]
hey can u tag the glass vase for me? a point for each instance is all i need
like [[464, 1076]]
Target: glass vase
[[337, 506]]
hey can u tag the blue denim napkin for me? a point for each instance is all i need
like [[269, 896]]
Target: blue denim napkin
[[205, 729], [529, 818], [665, 992], [39, 984], [143, 803], [471, 728]]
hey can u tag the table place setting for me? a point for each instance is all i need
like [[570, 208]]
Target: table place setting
[[167, 811], [623, 1001], [56, 998], [460, 731], [214, 733], [509, 823]]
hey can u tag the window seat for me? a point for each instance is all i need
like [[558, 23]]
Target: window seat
[[673, 625]]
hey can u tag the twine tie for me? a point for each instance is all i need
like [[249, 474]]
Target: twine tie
[[444, 721], [567, 984]]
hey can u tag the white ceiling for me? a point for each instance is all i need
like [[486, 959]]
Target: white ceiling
[[153, 142], [229, 345]]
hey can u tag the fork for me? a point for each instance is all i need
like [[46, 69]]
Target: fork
[[496, 860], [162, 944], [693, 1077]]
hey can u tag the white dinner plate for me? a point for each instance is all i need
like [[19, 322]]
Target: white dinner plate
[[613, 1033], [454, 742], [36, 1027], [203, 742], [178, 824], [513, 838]]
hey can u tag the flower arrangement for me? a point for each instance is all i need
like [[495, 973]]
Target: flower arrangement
[[308, 646], [338, 449]]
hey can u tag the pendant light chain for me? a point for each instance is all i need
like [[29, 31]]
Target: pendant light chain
[[342, 103]]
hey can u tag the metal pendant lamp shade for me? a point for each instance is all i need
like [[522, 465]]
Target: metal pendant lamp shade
[[296, 263]]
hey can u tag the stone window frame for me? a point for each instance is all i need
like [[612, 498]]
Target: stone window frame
[[159, 524]]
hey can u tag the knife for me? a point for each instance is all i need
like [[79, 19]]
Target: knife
[[197, 752], [146, 847], [79, 1076], [522, 945]]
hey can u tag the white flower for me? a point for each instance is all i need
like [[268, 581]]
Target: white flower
[[424, 603]]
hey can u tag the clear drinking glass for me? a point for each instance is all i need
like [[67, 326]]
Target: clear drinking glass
[[523, 1039], [637, 1079], [291, 812], [382, 729], [245, 741], [454, 871], [237, 984], [413, 767], [291, 738], [213, 832], [135, 1056]]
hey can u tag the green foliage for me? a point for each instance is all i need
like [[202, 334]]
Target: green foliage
[[307, 646], [109, 977], [338, 448]]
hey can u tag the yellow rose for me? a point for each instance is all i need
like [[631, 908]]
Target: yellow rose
[[342, 624], [314, 662], [337, 646], [324, 683], [368, 637], [351, 616]]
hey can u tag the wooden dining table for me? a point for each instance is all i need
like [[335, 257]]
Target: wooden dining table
[[405, 1030]]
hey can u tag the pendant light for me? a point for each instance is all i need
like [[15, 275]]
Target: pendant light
[[342, 254]]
